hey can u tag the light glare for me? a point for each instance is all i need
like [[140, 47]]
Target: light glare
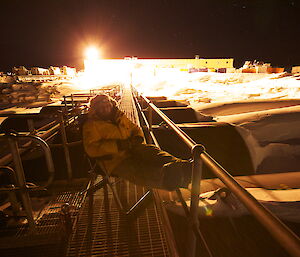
[[92, 53]]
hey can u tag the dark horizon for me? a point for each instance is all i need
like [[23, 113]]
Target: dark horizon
[[41, 34]]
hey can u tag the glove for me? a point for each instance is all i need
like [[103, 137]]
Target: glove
[[136, 140], [124, 144]]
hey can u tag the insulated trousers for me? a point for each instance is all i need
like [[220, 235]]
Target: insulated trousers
[[149, 166]]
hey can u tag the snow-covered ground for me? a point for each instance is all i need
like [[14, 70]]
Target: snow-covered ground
[[210, 87]]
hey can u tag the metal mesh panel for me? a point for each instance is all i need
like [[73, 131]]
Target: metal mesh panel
[[127, 105], [107, 232], [50, 234]]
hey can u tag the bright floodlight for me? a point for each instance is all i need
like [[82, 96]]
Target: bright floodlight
[[92, 53]]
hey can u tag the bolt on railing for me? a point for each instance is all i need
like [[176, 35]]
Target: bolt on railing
[[280, 232]]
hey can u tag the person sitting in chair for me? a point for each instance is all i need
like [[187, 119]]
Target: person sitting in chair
[[111, 138]]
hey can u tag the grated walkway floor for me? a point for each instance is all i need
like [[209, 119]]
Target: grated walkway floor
[[103, 231]]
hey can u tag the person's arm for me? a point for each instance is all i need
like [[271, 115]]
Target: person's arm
[[136, 133]]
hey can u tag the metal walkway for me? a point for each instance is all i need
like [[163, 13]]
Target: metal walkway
[[94, 226]]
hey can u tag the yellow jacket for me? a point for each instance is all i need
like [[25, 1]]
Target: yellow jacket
[[100, 138]]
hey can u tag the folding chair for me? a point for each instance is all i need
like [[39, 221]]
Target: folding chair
[[97, 168]]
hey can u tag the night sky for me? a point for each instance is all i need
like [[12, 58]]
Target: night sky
[[55, 32]]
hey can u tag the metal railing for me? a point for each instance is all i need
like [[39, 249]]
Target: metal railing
[[21, 143], [280, 232], [62, 119], [19, 175]]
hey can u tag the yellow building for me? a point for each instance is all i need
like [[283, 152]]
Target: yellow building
[[183, 64], [295, 69], [189, 63]]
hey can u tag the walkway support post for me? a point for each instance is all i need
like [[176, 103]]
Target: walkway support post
[[65, 146], [195, 192], [20, 177]]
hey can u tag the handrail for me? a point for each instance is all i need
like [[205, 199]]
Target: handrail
[[48, 156], [39, 137], [150, 138], [19, 172], [41, 133], [46, 149], [280, 232], [46, 132]]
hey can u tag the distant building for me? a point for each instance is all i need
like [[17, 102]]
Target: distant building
[[259, 67], [54, 70], [189, 63], [39, 71], [182, 64], [295, 69], [255, 67], [275, 70], [68, 71], [20, 71], [4, 78]]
